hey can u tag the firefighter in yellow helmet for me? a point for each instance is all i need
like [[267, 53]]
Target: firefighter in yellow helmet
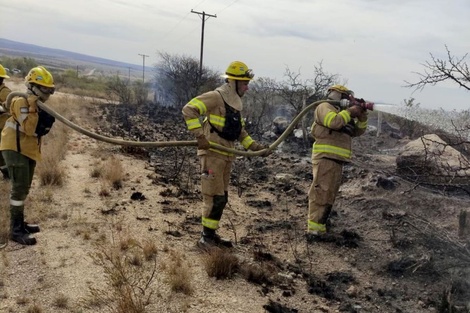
[[4, 92], [21, 147], [333, 127], [223, 124]]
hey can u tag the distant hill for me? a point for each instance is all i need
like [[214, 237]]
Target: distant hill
[[61, 59]]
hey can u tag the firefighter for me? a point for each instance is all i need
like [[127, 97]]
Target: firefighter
[[223, 125], [333, 128], [4, 92], [21, 147]]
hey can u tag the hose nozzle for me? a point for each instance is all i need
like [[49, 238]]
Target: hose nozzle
[[366, 105]]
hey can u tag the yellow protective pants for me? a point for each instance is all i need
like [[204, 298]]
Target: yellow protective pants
[[215, 178], [321, 196]]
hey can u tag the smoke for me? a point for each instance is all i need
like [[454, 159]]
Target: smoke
[[453, 122]]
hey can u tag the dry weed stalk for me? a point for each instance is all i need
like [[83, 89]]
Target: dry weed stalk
[[441, 239], [127, 279]]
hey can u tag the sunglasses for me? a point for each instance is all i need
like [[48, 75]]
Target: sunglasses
[[47, 90]]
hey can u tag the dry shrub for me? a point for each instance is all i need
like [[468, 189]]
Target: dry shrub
[[50, 171], [96, 171], [104, 191], [22, 300], [34, 309], [61, 301], [127, 279], [178, 274], [114, 172], [150, 250], [54, 146], [220, 263]]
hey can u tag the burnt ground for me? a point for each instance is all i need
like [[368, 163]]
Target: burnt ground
[[394, 244]]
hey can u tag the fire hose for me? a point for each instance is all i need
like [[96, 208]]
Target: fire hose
[[160, 144]]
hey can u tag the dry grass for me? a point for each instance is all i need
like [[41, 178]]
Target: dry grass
[[178, 274], [49, 170], [61, 301], [114, 172], [34, 309], [220, 263], [149, 250], [127, 277]]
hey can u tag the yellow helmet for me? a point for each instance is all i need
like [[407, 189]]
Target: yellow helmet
[[3, 72], [341, 89], [239, 71], [39, 75]]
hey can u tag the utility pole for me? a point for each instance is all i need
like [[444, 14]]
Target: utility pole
[[204, 14], [143, 66]]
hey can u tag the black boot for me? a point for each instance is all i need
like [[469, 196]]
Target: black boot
[[222, 242], [19, 232], [32, 228], [209, 238]]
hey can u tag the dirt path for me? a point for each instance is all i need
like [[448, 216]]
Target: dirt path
[[77, 219]]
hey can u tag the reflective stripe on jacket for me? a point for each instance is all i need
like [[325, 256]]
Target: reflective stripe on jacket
[[330, 141], [211, 107], [22, 123]]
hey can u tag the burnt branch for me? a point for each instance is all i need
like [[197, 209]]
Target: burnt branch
[[439, 70]]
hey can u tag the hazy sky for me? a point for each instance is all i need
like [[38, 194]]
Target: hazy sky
[[373, 44]]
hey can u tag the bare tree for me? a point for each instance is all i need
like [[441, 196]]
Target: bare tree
[[117, 88], [260, 104], [438, 70], [296, 91], [178, 80]]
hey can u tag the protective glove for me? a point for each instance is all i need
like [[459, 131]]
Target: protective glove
[[363, 116], [355, 111], [32, 102], [349, 129], [344, 104], [202, 142]]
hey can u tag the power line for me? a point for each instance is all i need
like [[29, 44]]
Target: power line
[[228, 6], [181, 20]]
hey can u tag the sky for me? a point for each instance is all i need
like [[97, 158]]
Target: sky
[[375, 46]]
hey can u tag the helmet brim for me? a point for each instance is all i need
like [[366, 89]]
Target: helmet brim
[[235, 77]]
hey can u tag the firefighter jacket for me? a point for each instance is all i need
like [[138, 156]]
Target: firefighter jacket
[[19, 133], [211, 107], [4, 92], [332, 139]]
